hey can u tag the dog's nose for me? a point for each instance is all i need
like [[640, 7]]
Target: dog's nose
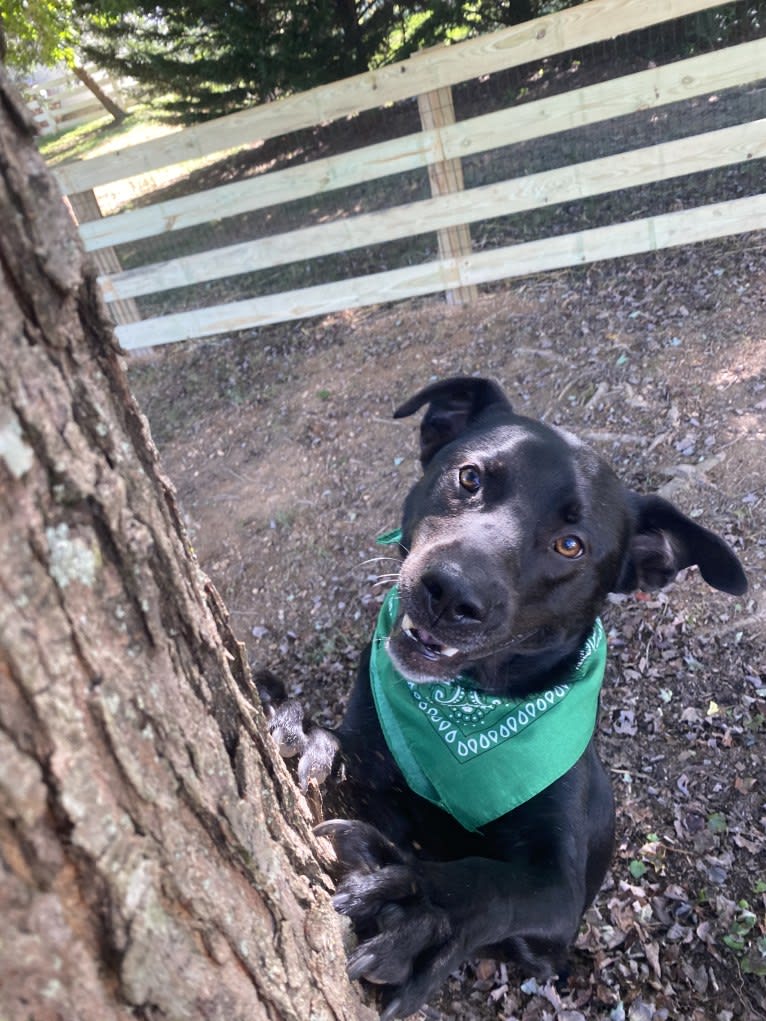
[[452, 598]]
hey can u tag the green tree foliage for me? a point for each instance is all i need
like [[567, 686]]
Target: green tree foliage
[[209, 57], [45, 32], [215, 57], [37, 32], [219, 56]]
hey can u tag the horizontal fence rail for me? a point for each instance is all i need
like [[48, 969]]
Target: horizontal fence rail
[[447, 65], [595, 103], [439, 148], [647, 235], [63, 101], [596, 177]]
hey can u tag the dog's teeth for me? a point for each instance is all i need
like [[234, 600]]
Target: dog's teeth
[[429, 644]]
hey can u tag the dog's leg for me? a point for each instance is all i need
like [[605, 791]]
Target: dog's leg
[[419, 919], [426, 918]]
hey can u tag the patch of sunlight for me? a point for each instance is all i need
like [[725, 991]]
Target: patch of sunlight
[[102, 136]]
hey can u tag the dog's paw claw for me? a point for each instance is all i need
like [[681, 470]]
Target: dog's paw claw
[[400, 957], [358, 965], [376, 963], [330, 827], [392, 1010], [365, 895], [358, 845]]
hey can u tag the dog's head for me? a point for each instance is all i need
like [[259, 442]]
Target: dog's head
[[513, 537]]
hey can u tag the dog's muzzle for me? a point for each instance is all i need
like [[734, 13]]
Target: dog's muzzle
[[427, 644]]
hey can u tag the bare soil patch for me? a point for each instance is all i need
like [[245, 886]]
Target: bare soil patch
[[287, 465]]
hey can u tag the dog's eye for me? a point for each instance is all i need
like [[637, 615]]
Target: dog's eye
[[569, 546], [470, 478]]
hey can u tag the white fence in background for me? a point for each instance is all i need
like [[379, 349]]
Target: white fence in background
[[439, 146], [61, 101]]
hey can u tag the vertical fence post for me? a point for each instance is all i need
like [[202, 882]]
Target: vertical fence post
[[86, 208], [40, 107], [436, 111]]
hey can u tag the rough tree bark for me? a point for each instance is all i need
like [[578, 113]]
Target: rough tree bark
[[156, 860]]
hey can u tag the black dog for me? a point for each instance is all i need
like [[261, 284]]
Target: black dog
[[481, 820]]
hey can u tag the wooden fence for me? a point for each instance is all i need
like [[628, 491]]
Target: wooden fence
[[439, 146], [62, 101]]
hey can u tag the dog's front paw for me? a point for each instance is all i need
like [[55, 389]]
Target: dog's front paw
[[408, 944]]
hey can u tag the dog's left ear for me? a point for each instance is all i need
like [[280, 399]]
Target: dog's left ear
[[665, 541], [453, 405]]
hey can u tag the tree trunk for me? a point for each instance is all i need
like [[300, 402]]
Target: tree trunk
[[106, 101], [353, 42], [156, 860], [517, 11]]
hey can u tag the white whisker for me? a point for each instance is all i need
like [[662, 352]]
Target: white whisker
[[516, 640], [375, 560]]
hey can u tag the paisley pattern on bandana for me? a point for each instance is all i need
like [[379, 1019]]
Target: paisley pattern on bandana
[[470, 723], [478, 755]]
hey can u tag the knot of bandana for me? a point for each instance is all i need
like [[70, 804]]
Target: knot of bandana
[[478, 755]]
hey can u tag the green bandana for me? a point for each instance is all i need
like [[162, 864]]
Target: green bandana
[[476, 755]]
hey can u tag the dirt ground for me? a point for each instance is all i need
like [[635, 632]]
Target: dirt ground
[[287, 465]]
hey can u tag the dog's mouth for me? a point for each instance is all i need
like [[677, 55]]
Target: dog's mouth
[[427, 645], [420, 656]]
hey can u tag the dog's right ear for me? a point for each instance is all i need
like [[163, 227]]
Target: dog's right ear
[[453, 405]]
